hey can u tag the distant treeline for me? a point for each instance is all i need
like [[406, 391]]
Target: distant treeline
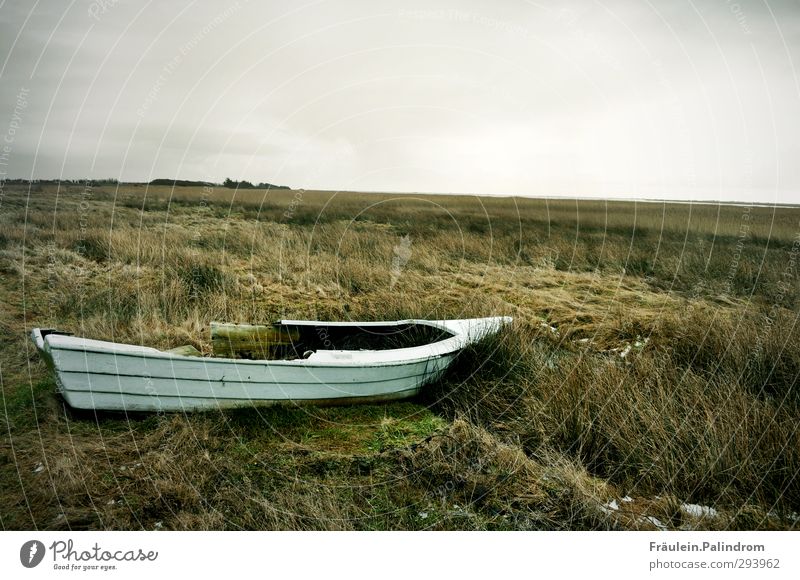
[[180, 182], [229, 183]]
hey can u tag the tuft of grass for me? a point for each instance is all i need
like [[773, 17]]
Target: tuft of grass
[[201, 279], [93, 247]]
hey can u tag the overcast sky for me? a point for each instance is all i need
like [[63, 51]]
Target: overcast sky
[[676, 100]]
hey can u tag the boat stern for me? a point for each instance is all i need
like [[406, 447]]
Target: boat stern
[[38, 335]]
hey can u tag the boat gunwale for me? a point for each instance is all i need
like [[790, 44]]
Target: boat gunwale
[[248, 362], [440, 348]]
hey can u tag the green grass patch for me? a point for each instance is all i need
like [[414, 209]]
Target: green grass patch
[[24, 404], [399, 432]]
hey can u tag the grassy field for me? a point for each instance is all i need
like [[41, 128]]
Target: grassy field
[[652, 365]]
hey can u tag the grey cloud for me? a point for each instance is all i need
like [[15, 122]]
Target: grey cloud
[[562, 97]]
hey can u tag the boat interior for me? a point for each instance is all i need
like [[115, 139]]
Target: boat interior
[[287, 341], [297, 341]]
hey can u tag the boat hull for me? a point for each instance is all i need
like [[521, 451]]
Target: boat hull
[[118, 377], [149, 384]]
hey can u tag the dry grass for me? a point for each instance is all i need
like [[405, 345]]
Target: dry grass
[[654, 357]]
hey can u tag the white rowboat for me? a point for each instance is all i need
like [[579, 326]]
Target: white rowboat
[[93, 374]]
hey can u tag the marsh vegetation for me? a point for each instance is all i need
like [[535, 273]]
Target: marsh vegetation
[[653, 362]]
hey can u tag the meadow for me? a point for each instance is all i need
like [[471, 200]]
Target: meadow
[[649, 381]]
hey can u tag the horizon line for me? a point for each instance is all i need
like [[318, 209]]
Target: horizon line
[[198, 182]]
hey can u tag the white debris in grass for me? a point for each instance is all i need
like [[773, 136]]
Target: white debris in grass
[[38, 468], [624, 351], [627, 499], [655, 521], [610, 507], [698, 511], [552, 329]]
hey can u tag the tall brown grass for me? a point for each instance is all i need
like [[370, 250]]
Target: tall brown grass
[[655, 354]]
